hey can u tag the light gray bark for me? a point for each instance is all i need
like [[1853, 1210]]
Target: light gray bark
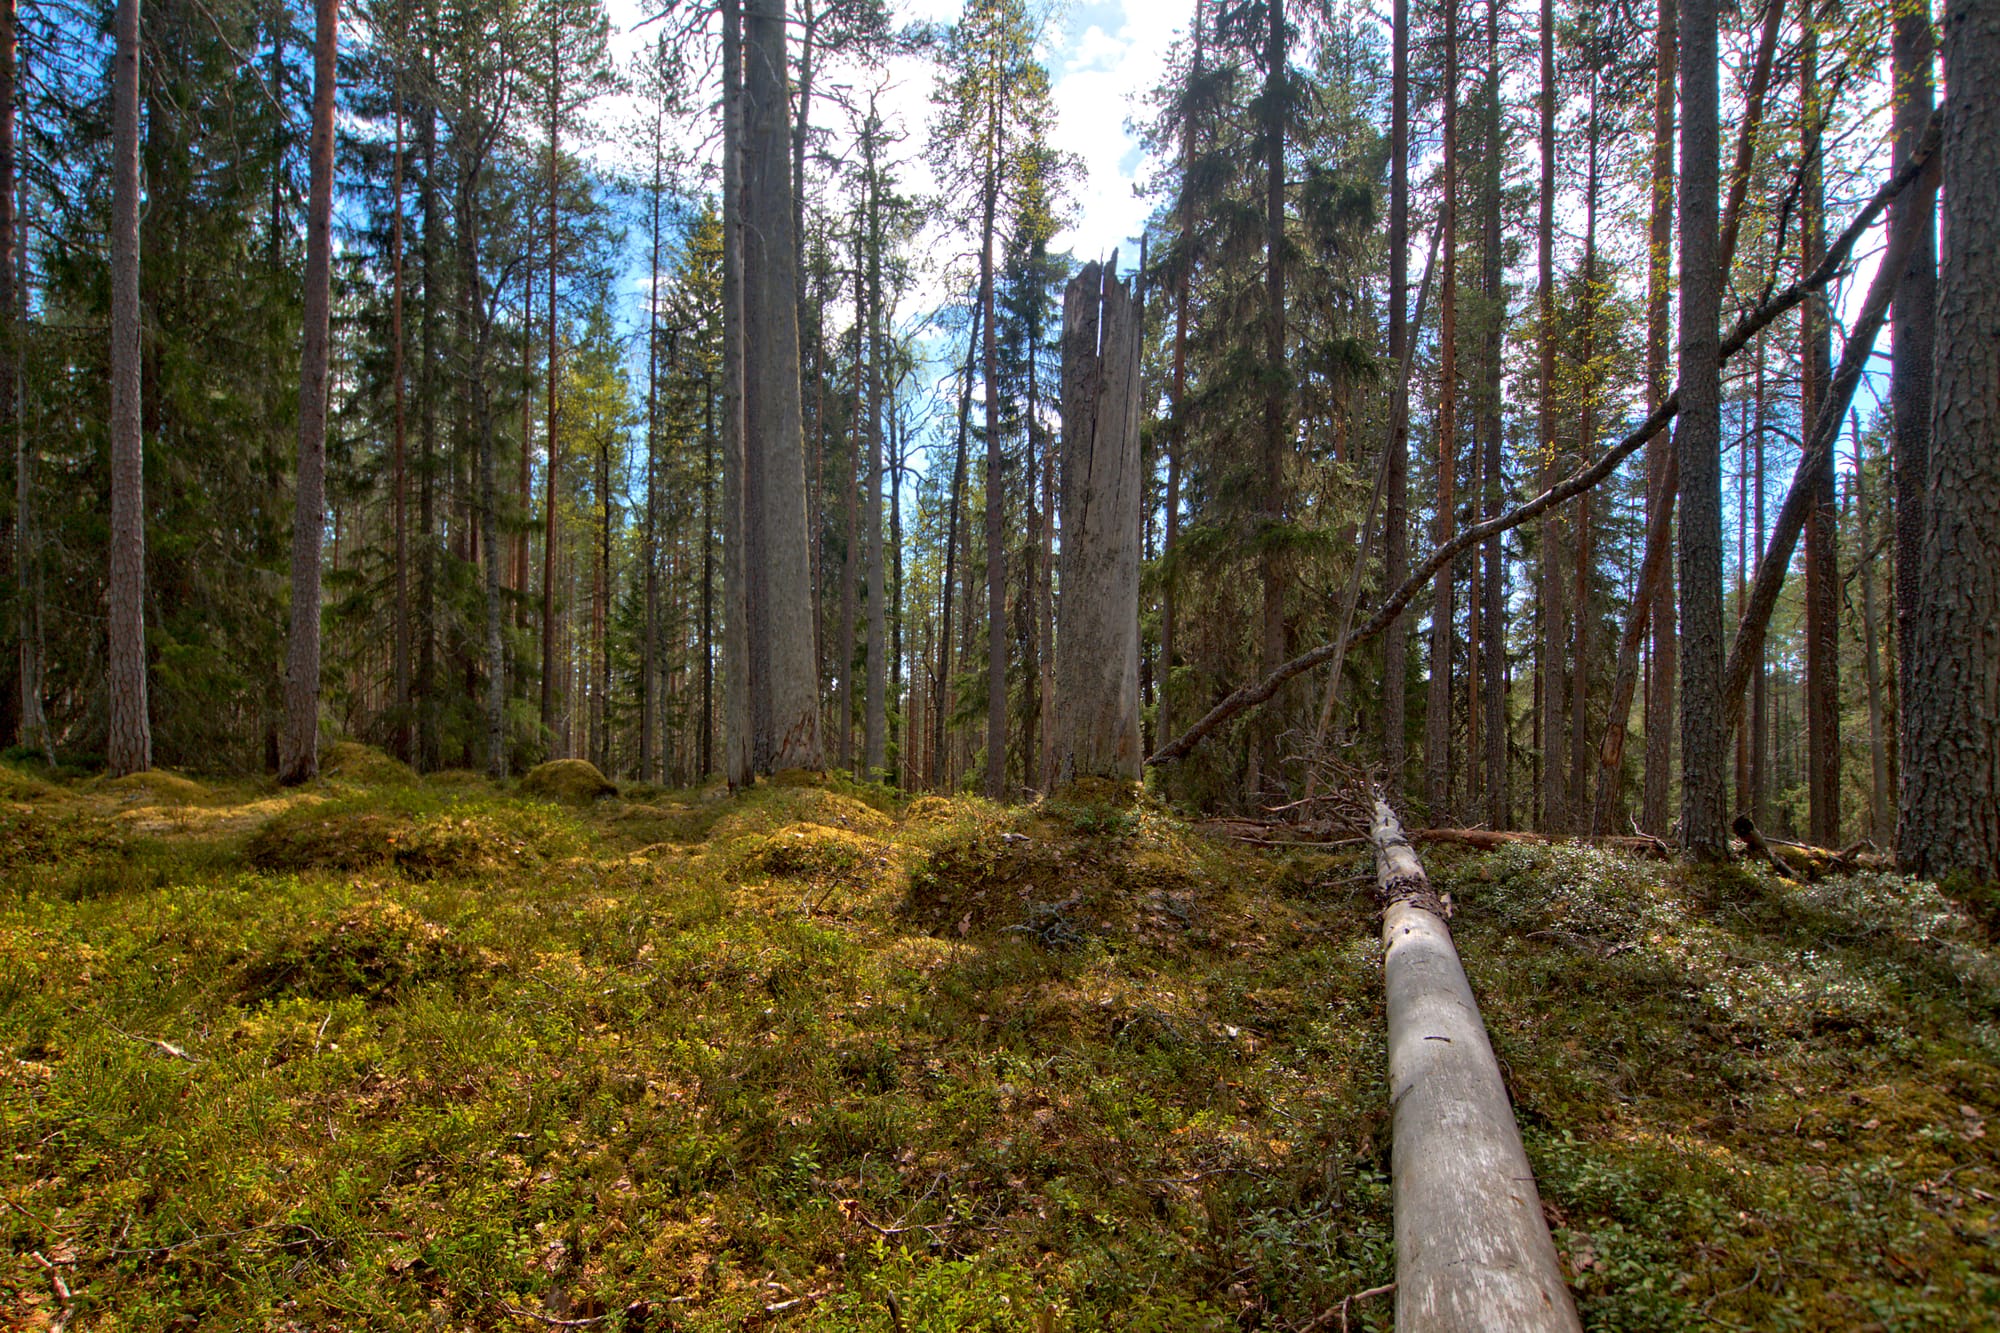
[[1473, 1252], [1097, 628], [299, 761]]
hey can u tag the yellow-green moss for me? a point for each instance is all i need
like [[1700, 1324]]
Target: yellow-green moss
[[571, 781], [352, 761]]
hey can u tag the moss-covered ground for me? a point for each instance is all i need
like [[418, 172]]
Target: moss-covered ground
[[395, 1053]]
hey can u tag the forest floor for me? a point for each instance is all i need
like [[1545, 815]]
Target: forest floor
[[388, 1053]]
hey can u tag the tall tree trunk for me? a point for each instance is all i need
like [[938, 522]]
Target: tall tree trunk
[[996, 537], [649, 649], [488, 531], [1554, 637], [1697, 445], [299, 760], [1760, 767], [850, 556], [1581, 662], [1662, 476], [1880, 827], [788, 691], [1822, 578], [1276, 443], [129, 746], [707, 725], [1493, 499], [399, 466], [1396, 512], [1952, 781], [1437, 709], [875, 704], [427, 545], [600, 720], [1177, 433], [903, 729], [552, 499], [31, 730], [1911, 369], [737, 671], [938, 774]]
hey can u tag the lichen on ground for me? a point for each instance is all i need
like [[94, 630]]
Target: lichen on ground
[[444, 1055]]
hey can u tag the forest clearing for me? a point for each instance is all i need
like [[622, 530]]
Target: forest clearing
[[403, 1053], [919, 665]]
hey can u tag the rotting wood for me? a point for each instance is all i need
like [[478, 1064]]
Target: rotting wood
[[1473, 1251], [1752, 839]]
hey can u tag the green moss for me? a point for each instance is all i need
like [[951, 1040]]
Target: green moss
[[365, 765], [419, 1057], [571, 781]]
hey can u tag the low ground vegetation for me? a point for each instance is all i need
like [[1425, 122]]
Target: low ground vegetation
[[399, 1053]]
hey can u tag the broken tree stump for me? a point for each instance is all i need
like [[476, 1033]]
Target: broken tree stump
[[1473, 1251], [1097, 625]]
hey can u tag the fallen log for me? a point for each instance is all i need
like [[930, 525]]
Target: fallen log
[[1473, 1251], [1262, 833]]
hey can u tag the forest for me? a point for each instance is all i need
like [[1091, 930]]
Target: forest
[[655, 681]]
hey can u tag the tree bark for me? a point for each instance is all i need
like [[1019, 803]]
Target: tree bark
[[299, 760], [1097, 638], [1472, 1248], [1950, 771], [1437, 702], [1276, 443], [738, 686], [939, 774], [31, 731], [1822, 577], [649, 648], [996, 537], [789, 734], [1554, 793], [1880, 829], [1396, 513], [1911, 367], [398, 471], [1697, 446], [129, 745], [875, 705], [1662, 476], [552, 500], [1493, 598]]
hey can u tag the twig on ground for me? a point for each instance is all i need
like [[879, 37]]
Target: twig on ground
[[163, 1047], [1339, 1311], [63, 1295], [551, 1320]]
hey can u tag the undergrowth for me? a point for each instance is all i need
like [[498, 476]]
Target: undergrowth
[[419, 1054]]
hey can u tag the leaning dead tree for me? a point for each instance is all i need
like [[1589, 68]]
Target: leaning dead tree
[[1766, 313], [1097, 639], [1472, 1248]]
